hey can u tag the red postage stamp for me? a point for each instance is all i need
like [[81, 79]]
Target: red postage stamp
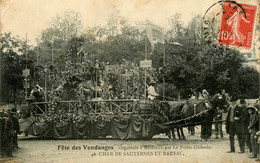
[[237, 25]]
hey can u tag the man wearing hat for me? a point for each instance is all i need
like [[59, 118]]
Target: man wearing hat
[[14, 118], [8, 136], [253, 128], [233, 127], [245, 124]]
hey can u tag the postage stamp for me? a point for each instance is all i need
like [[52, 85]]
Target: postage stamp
[[237, 25]]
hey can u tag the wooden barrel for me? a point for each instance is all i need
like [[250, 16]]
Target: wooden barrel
[[24, 109], [145, 107]]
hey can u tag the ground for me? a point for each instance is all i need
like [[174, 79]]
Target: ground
[[158, 149]]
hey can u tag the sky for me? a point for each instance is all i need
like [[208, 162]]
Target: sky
[[33, 16]]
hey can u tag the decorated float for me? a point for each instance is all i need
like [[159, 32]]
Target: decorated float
[[92, 100]]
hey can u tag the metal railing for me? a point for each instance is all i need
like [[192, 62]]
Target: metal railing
[[123, 106]]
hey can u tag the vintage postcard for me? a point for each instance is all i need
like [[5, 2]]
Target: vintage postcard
[[129, 81]]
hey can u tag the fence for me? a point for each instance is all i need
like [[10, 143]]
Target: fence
[[123, 106]]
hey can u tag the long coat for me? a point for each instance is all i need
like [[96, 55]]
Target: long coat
[[9, 133], [16, 128], [238, 123], [2, 126], [245, 120], [253, 123], [15, 124]]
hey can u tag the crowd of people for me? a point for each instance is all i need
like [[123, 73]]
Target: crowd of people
[[243, 121], [9, 129]]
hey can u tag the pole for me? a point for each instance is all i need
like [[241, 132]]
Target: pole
[[126, 84], [26, 78], [37, 54], [163, 76], [45, 86], [45, 82], [96, 66], [37, 58], [52, 63], [145, 56], [138, 77], [96, 85], [52, 53]]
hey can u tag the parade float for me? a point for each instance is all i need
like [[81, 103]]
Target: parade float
[[92, 100]]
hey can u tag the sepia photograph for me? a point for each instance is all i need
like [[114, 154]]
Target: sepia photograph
[[138, 81]]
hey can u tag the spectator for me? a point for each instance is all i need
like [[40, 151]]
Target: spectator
[[244, 129], [2, 132], [258, 144], [218, 126], [8, 136], [253, 127], [16, 126], [233, 127]]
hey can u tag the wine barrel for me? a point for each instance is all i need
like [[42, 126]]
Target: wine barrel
[[24, 109], [145, 107]]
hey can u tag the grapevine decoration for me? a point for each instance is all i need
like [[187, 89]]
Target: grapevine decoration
[[80, 80]]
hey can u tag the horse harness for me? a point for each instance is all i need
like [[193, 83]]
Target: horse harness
[[195, 106]]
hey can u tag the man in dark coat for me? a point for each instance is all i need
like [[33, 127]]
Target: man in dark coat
[[234, 125], [13, 115], [253, 128], [245, 124], [8, 136], [2, 124]]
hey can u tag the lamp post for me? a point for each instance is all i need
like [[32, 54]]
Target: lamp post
[[96, 66], [45, 82]]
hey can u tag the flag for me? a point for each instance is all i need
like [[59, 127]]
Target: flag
[[154, 33]]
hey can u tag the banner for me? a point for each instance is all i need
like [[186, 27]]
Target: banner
[[154, 34]]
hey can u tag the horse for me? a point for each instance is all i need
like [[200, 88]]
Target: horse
[[171, 111], [175, 114], [220, 104], [221, 101], [193, 107]]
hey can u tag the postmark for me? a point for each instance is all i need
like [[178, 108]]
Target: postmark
[[228, 23]]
